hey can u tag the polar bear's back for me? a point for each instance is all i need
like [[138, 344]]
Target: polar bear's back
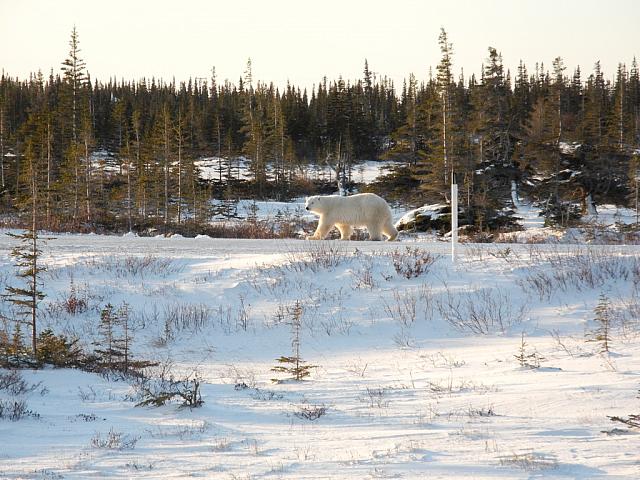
[[356, 210]]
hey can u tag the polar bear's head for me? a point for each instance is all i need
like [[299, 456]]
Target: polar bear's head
[[313, 204]]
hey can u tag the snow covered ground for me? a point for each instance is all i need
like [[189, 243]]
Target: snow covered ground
[[416, 372], [212, 168]]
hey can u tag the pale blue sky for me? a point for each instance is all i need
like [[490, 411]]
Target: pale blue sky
[[303, 40]]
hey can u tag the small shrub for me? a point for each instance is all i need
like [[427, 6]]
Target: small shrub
[[114, 441], [364, 277], [317, 256], [76, 302], [15, 410], [403, 308], [135, 267], [88, 395], [266, 395], [529, 461], [376, 397], [481, 311], [165, 389], [412, 262], [221, 445], [191, 317], [14, 383], [310, 412], [503, 253], [481, 412], [88, 417]]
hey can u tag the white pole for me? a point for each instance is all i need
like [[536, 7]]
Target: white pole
[[454, 220]]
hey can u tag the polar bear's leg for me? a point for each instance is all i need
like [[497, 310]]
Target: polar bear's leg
[[390, 231], [374, 232], [322, 231], [345, 231]]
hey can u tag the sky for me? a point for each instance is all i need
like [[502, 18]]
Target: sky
[[301, 41]]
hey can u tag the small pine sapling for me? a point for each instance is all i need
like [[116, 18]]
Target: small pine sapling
[[13, 351], [106, 350], [123, 342], [294, 365], [114, 347], [602, 333], [5, 346], [26, 298], [528, 359], [58, 350]]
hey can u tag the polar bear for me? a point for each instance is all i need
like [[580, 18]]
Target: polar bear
[[361, 210]]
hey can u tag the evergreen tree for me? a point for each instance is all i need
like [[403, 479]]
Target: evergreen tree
[[445, 81], [294, 365], [115, 338], [602, 333], [27, 297], [73, 110]]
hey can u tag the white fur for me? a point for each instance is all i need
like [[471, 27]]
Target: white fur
[[361, 210]]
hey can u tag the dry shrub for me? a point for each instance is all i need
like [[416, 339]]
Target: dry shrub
[[481, 311], [412, 262]]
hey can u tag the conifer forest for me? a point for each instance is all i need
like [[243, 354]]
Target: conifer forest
[[118, 155]]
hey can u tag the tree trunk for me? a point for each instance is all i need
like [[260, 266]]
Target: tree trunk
[[34, 254], [179, 171], [87, 179], [48, 206], [2, 145]]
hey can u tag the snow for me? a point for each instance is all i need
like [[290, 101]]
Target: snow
[[569, 147], [432, 210], [408, 392], [514, 194], [609, 215], [269, 209], [105, 161], [363, 172]]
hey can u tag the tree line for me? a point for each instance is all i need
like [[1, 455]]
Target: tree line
[[566, 141]]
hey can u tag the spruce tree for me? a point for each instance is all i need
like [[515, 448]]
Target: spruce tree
[[115, 338], [445, 80], [27, 253], [294, 365], [27, 297], [601, 334], [73, 107]]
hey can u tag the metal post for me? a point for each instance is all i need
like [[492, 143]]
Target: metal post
[[454, 219], [637, 179]]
